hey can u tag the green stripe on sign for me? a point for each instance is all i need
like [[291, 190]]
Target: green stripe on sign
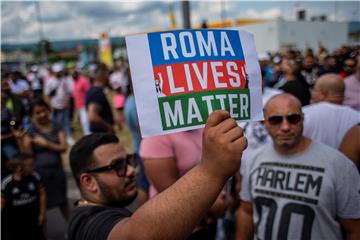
[[193, 109]]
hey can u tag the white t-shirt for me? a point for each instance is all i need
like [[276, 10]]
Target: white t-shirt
[[63, 93], [300, 196], [119, 79], [328, 123], [19, 86]]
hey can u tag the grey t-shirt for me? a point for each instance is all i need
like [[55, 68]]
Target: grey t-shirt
[[299, 196]]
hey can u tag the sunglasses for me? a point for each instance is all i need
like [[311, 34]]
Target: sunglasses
[[349, 65], [293, 118], [119, 165]]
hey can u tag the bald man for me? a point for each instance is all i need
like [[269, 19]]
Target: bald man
[[296, 188], [326, 119]]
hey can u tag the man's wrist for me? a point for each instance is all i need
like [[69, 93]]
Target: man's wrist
[[213, 174]]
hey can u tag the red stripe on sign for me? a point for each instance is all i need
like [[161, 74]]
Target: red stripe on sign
[[199, 76]]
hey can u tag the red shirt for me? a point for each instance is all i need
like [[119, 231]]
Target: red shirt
[[81, 86]]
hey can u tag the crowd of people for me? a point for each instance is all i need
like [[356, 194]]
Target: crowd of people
[[302, 160]]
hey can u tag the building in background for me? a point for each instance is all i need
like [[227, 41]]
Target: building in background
[[278, 34]]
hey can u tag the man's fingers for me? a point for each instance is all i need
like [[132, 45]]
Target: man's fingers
[[234, 134], [226, 125], [241, 143], [217, 117]]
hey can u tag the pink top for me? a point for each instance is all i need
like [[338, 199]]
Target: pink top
[[352, 91], [119, 101], [184, 146], [81, 86]]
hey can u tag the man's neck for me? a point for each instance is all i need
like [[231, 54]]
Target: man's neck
[[17, 176], [300, 147]]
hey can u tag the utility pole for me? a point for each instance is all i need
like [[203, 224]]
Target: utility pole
[[41, 32], [186, 14]]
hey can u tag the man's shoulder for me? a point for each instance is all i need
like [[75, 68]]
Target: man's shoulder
[[319, 108], [332, 156], [94, 222], [98, 212], [94, 93], [6, 182]]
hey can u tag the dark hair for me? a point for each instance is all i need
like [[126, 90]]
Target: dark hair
[[81, 154], [37, 102], [17, 160]]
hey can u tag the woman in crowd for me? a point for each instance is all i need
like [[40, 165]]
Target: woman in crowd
[[46, 141]]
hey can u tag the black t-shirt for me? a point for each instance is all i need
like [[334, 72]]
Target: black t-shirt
[[96, 95], [21, 200], [299, 88], [95, 222]]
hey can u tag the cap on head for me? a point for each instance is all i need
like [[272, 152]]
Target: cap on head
[[264, 57], [57, 67]]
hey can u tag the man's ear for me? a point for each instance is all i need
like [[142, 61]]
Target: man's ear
[[323, 94], [88, 183]]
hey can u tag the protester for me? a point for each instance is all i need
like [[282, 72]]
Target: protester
[[23, 201], [348, 67], [296, 182], [352, 88], [174, 213], [350, 145], [9, 147], [81, 87], [292, 81], [169, 157], [326, 119], [58, 90], [20, 87], [98, 107], [35, 81], [309, 69], [329, 65], [45, 139]]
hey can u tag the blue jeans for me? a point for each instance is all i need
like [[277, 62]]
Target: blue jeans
[[62, 117]]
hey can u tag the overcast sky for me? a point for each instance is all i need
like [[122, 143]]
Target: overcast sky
[[62, 20]]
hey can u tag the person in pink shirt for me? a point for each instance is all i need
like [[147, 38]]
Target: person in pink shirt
[[352, 88], [81, 86], [167, 158]]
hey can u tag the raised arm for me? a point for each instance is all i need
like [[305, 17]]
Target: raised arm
[[244, 221], [176, 211]]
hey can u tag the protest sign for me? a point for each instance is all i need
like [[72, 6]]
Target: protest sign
[[180, 77]]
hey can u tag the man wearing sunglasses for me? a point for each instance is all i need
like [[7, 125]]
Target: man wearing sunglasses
[[296, 188], [105, 175]]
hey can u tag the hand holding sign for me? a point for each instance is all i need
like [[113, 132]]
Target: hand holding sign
[[180, 77], [222, 139]]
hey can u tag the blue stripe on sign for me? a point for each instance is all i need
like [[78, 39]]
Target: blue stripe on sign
[[172, 47]]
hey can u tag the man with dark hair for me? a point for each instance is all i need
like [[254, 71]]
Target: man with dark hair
[[105, 175], [295, 188], [99, 111]]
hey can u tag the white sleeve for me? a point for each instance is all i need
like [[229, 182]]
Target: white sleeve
[[48, 86], [245, 193], [348, 191]]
